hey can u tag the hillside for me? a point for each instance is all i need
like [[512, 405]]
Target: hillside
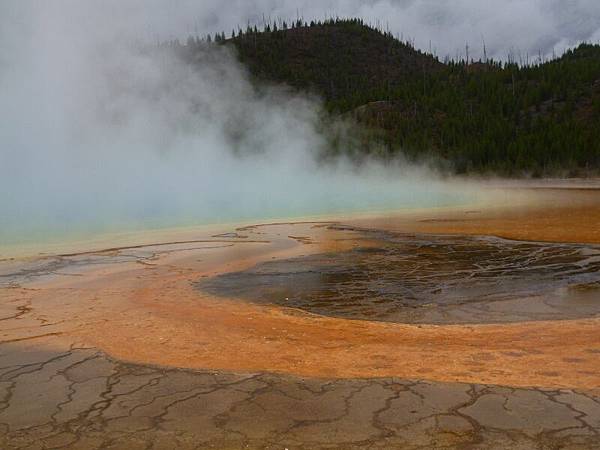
[[334, 59], [540, 119]]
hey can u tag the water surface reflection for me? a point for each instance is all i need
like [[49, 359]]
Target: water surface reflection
[[429, 279]]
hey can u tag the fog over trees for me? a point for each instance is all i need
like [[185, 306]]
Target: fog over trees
[[523, 116]]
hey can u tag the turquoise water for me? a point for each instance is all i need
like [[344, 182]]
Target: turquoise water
[[66, 221]]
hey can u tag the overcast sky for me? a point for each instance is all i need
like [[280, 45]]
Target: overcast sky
[[528, 26], [522, 25]]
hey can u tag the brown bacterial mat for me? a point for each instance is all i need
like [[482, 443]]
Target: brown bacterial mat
[[411, 278]]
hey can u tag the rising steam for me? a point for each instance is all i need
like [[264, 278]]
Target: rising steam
[[99, 130]]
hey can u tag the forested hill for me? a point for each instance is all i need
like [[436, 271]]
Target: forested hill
[[541, 118], [336, 59]]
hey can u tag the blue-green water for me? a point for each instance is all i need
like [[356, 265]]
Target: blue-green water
[[65, 220]]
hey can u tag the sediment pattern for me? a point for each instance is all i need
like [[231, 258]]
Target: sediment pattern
[[430, 279], [58, 389], [82, 399]]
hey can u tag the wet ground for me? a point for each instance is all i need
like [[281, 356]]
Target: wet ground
[[240, 339], [410, 278], [82, 399]]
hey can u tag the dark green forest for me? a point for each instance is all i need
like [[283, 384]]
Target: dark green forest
[[513, 118]]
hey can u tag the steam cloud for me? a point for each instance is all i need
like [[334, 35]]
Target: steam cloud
[[97, 133]]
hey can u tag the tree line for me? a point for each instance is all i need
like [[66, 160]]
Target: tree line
[[540, 118]]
